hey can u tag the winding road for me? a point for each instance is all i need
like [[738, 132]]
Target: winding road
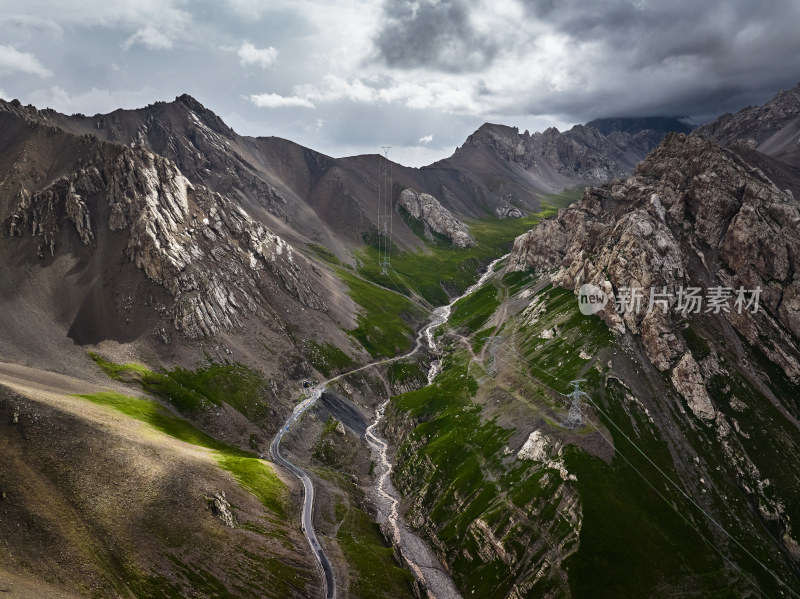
[[307, 519], [439, 316]]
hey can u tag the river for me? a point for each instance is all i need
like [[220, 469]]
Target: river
[[417, 554]]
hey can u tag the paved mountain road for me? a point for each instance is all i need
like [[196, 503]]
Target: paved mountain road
[[307, 518]]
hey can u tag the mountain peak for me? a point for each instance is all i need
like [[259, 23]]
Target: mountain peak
[[190, 102], [208, 116]]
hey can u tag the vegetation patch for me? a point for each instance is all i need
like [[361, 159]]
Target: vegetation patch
[[454, 461], [259, 478], [561, 335], [480, 339], [441, 270], [327, 358], [383, 321], [374, 573], [407, 373], [474, 310], [190, 391], [517, 280], [627, 524], [333, 448], [696, 343], [324, 254]]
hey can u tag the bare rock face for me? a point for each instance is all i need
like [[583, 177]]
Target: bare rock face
[[216, 262], [537, 447], [222, 509], [508, 212], [426, 208], [693, 214], [43, 211], [688, 381]]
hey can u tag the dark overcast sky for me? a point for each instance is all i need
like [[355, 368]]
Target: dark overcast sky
[[346, 76]]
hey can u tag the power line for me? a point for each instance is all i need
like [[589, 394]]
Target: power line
[[385, 216], [665, 475], [576, 396], [380, 210]]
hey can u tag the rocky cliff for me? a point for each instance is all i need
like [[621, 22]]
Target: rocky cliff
[[692, 214], [176, 231], [435, 217], [107, 242], [699, 219]]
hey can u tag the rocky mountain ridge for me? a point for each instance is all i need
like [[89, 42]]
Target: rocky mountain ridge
[[772, 128], [304, 195], [582, 155], [129, 250], [689, 200], [696, 215], [175, 231]]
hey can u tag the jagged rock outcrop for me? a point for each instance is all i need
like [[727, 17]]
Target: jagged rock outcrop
[[222, 509], [427, 209], [217, 263], [537, 447], [508, 212], [688, 380], [692, 214]]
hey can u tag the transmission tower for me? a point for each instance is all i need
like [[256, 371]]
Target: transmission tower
[[575, 414], [385, 209]]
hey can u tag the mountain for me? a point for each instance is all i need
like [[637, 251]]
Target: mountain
[[172, 291], [513, 165], [772, 129], [185, 280], [297, 192], [139, 205], [647, 453], [699, 409], [108, 243]]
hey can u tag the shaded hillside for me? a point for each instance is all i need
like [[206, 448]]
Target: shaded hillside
[[108, 495]]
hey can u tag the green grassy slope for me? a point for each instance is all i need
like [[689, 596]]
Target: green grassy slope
[[639, 535]]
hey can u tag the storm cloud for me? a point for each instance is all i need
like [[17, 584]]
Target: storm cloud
[[432, 34], [347, 76]]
